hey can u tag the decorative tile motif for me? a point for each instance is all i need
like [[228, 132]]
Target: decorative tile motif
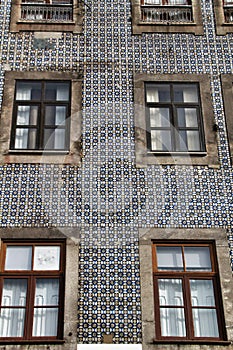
[[108, 197]]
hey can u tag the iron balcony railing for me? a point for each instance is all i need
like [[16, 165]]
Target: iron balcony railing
[[228, 13], [167, 13], [46, 12]]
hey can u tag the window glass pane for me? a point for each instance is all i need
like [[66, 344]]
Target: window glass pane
[[187, 117], [205, 323], [45, 322], [158, 93], [202, 293], [54, 138], [170, 292], [27, 91], [185, 93], [159, 117], [172, 322], [56, 91], [189, 140], [55, 115], [27, 115], [46, 258], [12, 322], [197, 258], [14, 292], [160, 140], [25, 138], [45, 319], [169, 258], [18, 258], [47, 292]]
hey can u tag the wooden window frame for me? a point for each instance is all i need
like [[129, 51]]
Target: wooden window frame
[[40, 127], [185, 276], [31, 276], [144, 156], [174, 128], [74, 153]]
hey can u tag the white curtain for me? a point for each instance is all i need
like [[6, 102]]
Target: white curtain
[[45, 318], [23, 92], [205, 320], [172, 320], [26, 115], [12, 319], [187, 117]]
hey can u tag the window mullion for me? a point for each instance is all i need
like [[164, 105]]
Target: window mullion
[[172, 120], [188, 308], [42, 115], [29, 308]]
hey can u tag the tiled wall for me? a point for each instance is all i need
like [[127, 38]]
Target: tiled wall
[[108, 196]]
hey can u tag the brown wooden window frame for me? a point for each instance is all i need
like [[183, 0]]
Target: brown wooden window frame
[[40, 126], [186, 276], [174, 129], [31, 276]]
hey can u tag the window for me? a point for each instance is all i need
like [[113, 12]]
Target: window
[[178, 125], [46, 10], [228, 10], [32, 283], [46, 15], [166, 11], [186, 286], [224, 16], [184, 282], [166, 16], [46, 117], [174, 117], [41, 111]]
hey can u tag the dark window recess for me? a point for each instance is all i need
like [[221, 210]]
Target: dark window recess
[[47, 10], [174, 121], [31, 293], [177, 11], [41, 111], [187, 299], [228, 10]]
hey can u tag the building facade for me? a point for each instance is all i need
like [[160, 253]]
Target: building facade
[[116, 146]]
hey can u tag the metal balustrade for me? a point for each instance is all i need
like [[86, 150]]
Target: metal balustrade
[[228, 13], [44, 12], [167, 14]]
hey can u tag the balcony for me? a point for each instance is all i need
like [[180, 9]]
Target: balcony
[[228, 14], [164, 14], [49, 12]]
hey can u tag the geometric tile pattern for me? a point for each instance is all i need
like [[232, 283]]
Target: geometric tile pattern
[[108, 197]]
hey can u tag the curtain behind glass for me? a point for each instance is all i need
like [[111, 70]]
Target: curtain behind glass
[[46, 307], [204, 319], [12, 319], [172, 318]]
